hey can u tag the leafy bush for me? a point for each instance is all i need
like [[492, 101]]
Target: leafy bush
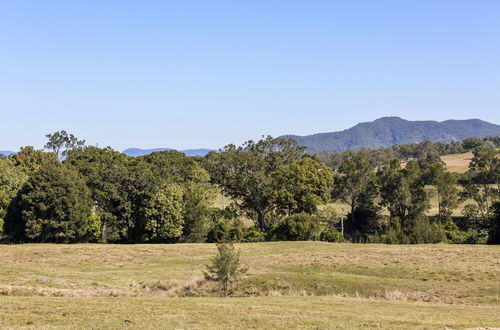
[[424, 232], [299, 227], [225, 268], [332, 235], [395, 234], [253, 234]]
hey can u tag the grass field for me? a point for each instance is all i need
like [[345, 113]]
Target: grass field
[[457, 163], [289, 284]]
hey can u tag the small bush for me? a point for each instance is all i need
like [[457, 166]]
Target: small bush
[[253, 234], [225, 268], [394, 234], [424, 232], [299, 227], [332, 235]]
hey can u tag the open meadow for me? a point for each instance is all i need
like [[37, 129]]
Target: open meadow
[[289, 284]]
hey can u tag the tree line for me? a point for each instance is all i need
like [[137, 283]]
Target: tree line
[[274, 190]]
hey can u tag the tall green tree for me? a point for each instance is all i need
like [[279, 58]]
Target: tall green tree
[[53, 206], [481, 184], [356, 183], [12, 178], [173, 167], [110, 176], [448, 194], [302, 186], [163, 214], [485, 166], [402, 191], [245, 174]]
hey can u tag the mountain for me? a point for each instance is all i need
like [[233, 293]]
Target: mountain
[[6, 152], [135, 152], [389, 131]]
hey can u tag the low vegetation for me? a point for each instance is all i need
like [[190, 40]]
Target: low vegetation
[[349, 285]]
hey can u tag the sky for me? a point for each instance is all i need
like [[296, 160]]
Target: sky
[[203, 74]]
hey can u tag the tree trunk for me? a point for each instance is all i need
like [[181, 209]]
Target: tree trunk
[[261, 220]]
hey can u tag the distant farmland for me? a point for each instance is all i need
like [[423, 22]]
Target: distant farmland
[[457, 163]]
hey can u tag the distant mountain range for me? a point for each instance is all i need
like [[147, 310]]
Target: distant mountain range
[[6, 152], [383, 132], [389, 131], [135, 152]]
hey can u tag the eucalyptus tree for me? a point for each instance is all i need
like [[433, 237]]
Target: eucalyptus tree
[[402, 191], [356, 182], [61, 143]]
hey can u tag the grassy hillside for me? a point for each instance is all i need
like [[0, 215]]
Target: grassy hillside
[[301, 284]]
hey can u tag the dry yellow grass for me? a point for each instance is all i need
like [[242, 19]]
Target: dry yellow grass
[[290, 284], [457, 163]]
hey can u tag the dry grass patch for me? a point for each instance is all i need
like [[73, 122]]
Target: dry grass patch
[[457, 163]]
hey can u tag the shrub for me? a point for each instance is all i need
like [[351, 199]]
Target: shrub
[[424, 232], [225, 268], [299, 227], [332, 235], [253, 234], [395, 234]]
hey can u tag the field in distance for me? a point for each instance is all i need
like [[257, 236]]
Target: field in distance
[[289, 284], [457, 163]]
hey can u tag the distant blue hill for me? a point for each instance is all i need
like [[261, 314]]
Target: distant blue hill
[[389, 131], [6, 152], [136, 152]]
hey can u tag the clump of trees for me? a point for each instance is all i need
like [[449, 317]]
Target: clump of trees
[[77, 193]]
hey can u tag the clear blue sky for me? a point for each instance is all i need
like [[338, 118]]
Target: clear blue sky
[[188, 74]]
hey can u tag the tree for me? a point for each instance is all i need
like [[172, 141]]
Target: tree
[[356, 183], [472, 143], [163, 214], [175, 167], [402, 192], [12, 178], [53, 206], [302, 185], [245, 174], [448, 194], [61, 143], [111, 178], [225, 267], [484, 170], [494, 230], [30, 160], [485, 166]]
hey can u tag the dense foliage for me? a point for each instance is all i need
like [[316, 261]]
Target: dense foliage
[[271, 190]]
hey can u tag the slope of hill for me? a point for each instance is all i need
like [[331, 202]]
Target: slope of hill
[[389, 131], [135, 152]]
